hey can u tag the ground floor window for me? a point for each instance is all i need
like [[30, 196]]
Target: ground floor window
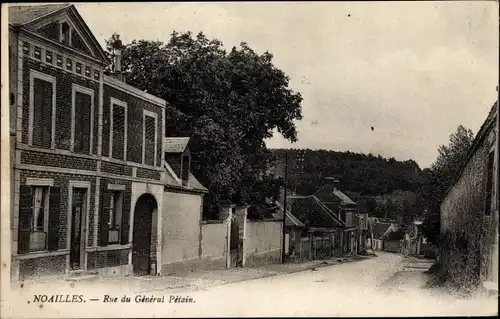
[[38, 218], [115, 217]]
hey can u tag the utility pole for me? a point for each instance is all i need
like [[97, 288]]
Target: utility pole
[[284, 209]]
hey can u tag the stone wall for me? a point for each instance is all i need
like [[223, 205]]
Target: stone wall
[[467, 233]]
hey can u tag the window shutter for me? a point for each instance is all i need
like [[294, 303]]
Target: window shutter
[[125, 218], [104, 219], [54, 210], [25, 212]]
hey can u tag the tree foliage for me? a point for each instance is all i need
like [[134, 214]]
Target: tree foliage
[[384, 188], [442, 175], [227, 102]]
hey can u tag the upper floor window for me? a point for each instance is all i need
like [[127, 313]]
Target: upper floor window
[[42, 110], [65, 33], [82, 119], [118, 129], [149, 134]]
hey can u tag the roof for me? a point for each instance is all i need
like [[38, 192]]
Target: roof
[[343, 197], [20, 15], [175, 144], [379, 229], [192, 185], [397, 234], [290, 219], [329, 191], [481, 135], [311, 212], [26, 15]]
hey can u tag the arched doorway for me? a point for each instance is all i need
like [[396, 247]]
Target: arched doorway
[[144, 210]]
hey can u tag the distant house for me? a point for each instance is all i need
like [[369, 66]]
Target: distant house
[[379, 231], [346, 210], [322, 232], [468, 248]]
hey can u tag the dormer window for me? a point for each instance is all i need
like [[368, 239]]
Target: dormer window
[[65, 33]]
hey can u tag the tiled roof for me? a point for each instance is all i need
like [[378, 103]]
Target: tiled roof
[[331, 193], [309, 211], [343, 197], [290, 219], [19, 15], [193, 184], [379, 229], [175, 144]]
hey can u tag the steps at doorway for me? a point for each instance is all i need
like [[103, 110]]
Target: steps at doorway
[[82, 275]]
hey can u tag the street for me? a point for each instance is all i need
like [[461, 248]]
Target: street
[[386, 285]]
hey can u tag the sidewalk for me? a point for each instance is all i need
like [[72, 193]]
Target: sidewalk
[[201, 280], [177, 282]]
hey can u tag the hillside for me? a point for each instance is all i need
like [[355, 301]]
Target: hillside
[[380, 185]]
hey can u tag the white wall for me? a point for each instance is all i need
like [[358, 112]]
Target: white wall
[[181, 216], [263, 237], [214, 240]]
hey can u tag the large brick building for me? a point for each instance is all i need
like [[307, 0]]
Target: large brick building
[[91, 188]]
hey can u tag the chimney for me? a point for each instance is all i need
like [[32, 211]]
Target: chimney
[[117, 56], [333, 181]]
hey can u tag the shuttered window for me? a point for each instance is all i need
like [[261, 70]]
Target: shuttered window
[[118, 128], [82, 116], [42, 113], [114, 218], [38, 218], [149, 140]]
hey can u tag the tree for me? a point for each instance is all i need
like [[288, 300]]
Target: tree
[[227, 102], [441, 176]]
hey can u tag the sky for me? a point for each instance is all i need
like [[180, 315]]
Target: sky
[[412, 71]]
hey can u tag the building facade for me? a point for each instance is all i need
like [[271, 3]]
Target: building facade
[[468, 248], [89, 176]]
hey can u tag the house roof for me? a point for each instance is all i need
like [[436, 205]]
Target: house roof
[[397, 234], [330, 191], [311, 212], [27, 15], [20, 15], [290, 219], [379, 229], [192, 185], [343, 197], [175, 144]]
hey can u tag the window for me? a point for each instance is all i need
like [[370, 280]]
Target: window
[[65, 33], [42, 110], [39, 224], [82, 116], [38, 218], [118, 129], [489, 184], [149, 138], [115, 217]]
